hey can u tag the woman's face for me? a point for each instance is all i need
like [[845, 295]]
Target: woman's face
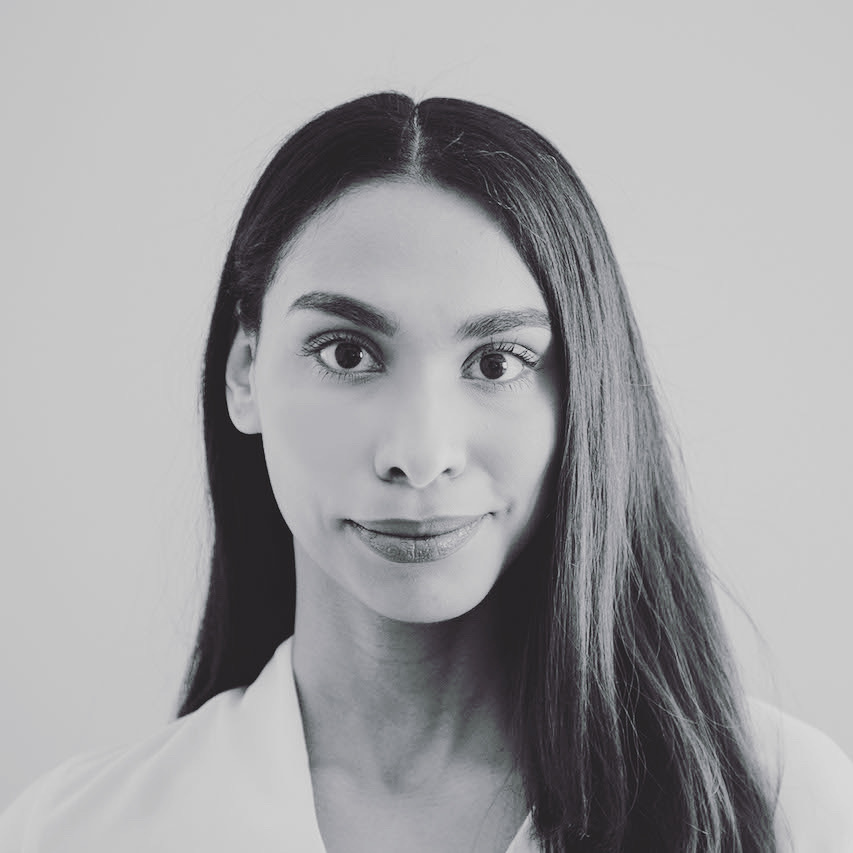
[[406, 389]]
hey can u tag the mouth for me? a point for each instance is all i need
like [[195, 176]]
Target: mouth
[[422, 541]]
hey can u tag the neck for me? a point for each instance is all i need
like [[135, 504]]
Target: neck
[[396, 704]]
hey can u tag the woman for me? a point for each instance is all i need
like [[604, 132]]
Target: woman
[[451, 559]]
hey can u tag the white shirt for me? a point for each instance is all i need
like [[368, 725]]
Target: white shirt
[[232, 776]]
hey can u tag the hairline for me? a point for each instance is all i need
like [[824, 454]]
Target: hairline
[[416, 175]]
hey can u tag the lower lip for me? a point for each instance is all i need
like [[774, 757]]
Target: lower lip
[[419, 549]]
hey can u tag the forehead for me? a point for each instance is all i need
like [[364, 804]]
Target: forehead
[[413, 249]]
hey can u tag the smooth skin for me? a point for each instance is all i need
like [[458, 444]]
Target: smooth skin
[[404, 371]]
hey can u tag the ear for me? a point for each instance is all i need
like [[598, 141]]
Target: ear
[[240, 385]]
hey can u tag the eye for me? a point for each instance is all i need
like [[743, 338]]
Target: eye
[[501, 363], [344, 354]]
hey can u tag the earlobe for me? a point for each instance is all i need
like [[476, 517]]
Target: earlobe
[[239, 384]]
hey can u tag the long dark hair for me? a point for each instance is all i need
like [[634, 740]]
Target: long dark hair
[[631, 729]]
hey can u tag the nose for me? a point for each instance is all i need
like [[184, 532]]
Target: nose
[[422, 436]]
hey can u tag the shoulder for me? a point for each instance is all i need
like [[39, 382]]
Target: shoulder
[[89, 795], [230, 776], [814, 780]]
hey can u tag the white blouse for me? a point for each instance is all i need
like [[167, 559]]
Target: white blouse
[[231, 776], [234, 775]]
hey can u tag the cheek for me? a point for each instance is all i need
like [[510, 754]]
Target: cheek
[[311, 444], [520, 443]]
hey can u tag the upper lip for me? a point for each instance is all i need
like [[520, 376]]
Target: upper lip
[[418, 527]]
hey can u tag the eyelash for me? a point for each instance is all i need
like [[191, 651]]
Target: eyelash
[[315, 345], [512, 347]]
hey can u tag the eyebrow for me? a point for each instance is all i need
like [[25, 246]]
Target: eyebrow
[[347, 308], [488, 325], [368, 317]]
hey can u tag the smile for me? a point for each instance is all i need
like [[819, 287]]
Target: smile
[[405, 541]]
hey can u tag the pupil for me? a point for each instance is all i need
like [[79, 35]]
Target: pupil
[[493, 365], [348, 355]]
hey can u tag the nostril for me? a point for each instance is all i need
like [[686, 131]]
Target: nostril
[[395, 474]]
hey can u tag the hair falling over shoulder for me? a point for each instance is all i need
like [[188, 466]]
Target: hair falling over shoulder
[[631, 730]]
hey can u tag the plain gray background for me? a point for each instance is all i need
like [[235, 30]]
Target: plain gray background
[[716, 143]]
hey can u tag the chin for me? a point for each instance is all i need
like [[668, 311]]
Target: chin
[[428, 614], [429, 593]]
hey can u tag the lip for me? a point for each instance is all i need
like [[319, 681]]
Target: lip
[[417, 541]]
